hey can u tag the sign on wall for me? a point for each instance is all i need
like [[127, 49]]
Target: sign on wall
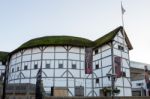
[[88, 60]]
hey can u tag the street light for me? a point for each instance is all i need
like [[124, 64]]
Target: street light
[[112, 77]]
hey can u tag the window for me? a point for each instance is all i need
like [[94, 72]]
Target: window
[[12, 70], [123, 74], [97, 80], [35, 66], [120, 48], [60, 66], [17, 68], [25, 67], [47, 66], [96, 51], [139, 84], [74, 66], [97, 66]]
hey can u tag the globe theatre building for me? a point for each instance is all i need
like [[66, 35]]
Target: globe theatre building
[[76, 65]]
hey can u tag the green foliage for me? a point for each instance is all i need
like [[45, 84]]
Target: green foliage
[[3, 55]]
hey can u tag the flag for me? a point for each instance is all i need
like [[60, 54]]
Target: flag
[[38, 89], [122, 9]]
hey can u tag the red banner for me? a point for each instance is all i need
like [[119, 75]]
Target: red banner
[[88, 60], [117, 64], [146, 75]]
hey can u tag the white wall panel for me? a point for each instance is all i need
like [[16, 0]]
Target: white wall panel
[[106, 53], [120, 34], [48, 55], [96, 57], [74, 56], [127, 83], [127, 71], [125, 55], [36, 50], [61, 55], [60, 49], [105, 47], [125, 63], [106, 61], [83, 73], [26, 73], [18, 59], [72, 92], [71, 82], [128, 92], [117, 52], [28, 51], [97, 91], [34, 73], [49, 49], [60, 82], [88, 83], [75, 73], [36, 56], [79, 82], [121, 91], [33, 80], [48, 82], [107, 70], [97, 72], [82, 57], [82, 50], [13, 56], [24, 80], [18, 54], [74, 50], [106, 81], [59, 72], [26, 58], [49, 72], [119, 82]]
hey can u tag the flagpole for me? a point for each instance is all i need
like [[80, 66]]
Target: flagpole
[[122, 12]]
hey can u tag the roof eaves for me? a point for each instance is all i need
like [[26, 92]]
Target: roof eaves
[[106, 38]]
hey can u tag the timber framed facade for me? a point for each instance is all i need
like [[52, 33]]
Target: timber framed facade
[[63, 63]]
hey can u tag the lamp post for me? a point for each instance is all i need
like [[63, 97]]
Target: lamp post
[[112, 77]]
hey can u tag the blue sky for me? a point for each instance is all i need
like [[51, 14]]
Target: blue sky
[[22, 20]]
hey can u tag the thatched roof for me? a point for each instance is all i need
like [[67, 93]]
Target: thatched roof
[[110, 36], [56, 41]]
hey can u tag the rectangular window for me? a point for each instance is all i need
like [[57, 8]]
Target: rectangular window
[[60, 66], [121, 48], [47, 66], [25, 67], [74, 66], [139, 84], [12, 70], [96, 51], [17, 68], [35, 66], [97, 80], [97, 66]]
